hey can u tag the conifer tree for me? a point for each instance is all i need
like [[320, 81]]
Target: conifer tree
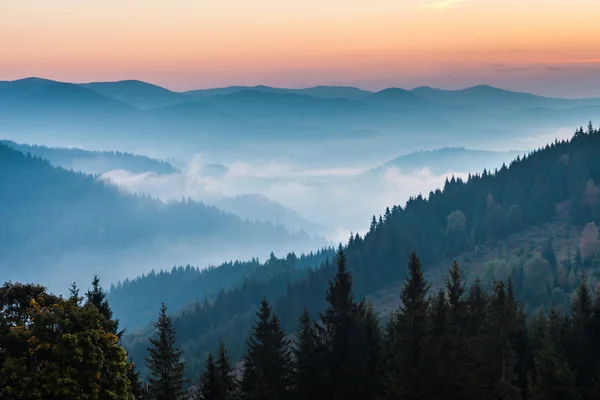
[[137, 388], [580, 337], [267, 365], [97, 297], [227, 381], [477, 301], [496, 356], [346, 331], [308, 368], [166, 378], [407, 377], [554, 379], [209, 382]]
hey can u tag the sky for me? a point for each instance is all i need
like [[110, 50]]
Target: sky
[[549, 47]]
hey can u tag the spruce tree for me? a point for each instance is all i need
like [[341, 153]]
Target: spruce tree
[[308, 368], [137, 388], [267, 365], [407, 377], [97, 297], [581, 337], [496, 358], [166, 378], [345, 331], [227, 380], [553, 379], [210, 386]]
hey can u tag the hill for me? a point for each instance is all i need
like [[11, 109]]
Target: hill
[[93, 162], [325, 92], [133, 114], [137, 93], [57, 222], [553, 183], [256, 207], [449, 159]]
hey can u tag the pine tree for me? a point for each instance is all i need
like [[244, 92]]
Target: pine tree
[[166, 378], [554, 379], [97, 297], [477, 301], [410, 335], [496, 356], [267, 365], [227, 380], [436, 361], [137, 388], [345, 331], [580, 337], [308, 368], [210, 386]]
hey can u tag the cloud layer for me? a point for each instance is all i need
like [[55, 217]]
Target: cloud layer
[[332, 197]]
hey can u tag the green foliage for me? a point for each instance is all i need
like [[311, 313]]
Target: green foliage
[[166, 380], [52, 348], [267, 373]]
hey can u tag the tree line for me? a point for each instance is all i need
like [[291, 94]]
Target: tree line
[[556, 182], [461, 342]]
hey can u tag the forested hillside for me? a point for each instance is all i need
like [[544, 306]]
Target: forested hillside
[[48, 212], [135, 301], [556, 182], [93, 162]]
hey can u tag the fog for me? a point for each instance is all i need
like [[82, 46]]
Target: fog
[[332, 197]]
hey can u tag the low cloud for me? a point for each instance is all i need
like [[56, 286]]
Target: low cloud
[[335, 198]]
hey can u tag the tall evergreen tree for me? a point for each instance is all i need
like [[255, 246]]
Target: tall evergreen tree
[[166, 378], [308, 362], [344, 331], [554, 379], [496, 356], [267, 365], [581, 337], [97, 297], [137, 387], [407, 378], [210, 386], [227, 380]]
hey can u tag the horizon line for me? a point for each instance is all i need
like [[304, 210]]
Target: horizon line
[[297, 88]]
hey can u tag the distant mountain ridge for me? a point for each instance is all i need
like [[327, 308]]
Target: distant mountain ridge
[[136, 111]]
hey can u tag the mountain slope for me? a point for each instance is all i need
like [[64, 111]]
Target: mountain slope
[[14, 90], [93, 162], [325, 92], [137, 93], [256, 207], [556, 182], [450, 159], [56, 221]]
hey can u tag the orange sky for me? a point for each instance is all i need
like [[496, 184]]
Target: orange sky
[[544, 46]]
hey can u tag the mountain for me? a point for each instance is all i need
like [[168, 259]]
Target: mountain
[[326, 92], [449, 159], [66, 108], [14, 90], [57, 222], [135, 301], [137, 93], [256, 207], [134, 114], [553, 187], [286, 105], [93, 162]]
